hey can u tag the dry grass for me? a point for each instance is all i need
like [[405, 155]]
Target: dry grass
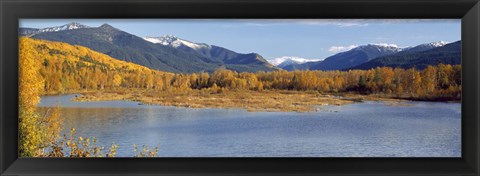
[[286, 101]]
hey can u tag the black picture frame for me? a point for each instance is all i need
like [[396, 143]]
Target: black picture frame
[[11, 11]]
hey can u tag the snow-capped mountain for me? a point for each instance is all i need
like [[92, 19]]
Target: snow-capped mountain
[[425, 46], [215, 54], [184, 57], [355, 56], [170, 40], [291, 63], [69, 26], [34, 31], [287, 60], [419, 56], [437, 44], [380, 47]]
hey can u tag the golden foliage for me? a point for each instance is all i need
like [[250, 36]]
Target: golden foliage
[[72, 68], [54, 67], [30, 87], [57, 67], [78, 147], [145, 152], [67, 68]]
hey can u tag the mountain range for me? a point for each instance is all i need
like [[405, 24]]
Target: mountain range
[[235, 61], [420, 59], [291, 63], [33, 31], [285, 60], [375, 55], [173, 54], [178, 57], [354, 57]]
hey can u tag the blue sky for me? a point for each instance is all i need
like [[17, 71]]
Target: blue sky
[[306, 38]]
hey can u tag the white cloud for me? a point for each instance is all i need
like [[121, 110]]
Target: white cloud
[[337, 49]]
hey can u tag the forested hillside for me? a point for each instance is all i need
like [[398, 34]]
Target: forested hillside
[[72, 68], [68, 68]]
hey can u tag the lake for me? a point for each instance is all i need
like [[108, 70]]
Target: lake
[[369, 129]]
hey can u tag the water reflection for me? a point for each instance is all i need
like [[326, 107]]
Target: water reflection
[[370, 129]]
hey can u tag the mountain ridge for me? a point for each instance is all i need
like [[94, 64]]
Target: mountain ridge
[[128, 47], [353, 57], [173, 54], [69, 26], [362, 54], [447, 54], [233, 60]]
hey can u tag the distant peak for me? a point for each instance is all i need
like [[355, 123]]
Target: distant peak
[[105, 25], [291, 59], [438, 43], [429, 45], [380, 47], [69, 26], [75, 25], [173, 41]]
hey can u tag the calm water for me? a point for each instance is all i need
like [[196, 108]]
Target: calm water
[[370, 129]]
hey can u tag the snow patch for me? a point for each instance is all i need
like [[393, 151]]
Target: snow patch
[[69, 26], [438, 43], [173, 41], [298, 60]]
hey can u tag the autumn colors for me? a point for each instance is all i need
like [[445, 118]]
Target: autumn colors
[[54, 68], [65, 68]]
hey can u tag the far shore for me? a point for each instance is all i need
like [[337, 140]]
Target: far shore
[[267, 100]]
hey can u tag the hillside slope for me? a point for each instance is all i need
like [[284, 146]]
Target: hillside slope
[[67, 68], [128, 47], [354, 57], [232, 60]]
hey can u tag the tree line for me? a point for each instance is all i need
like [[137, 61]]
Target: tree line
[[441, 81], [55, 67], [67, 68]]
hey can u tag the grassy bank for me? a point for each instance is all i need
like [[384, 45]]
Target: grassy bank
[[267, 100], [285, 101]]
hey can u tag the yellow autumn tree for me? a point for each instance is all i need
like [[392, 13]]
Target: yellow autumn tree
[[117, 80], [30, 87]]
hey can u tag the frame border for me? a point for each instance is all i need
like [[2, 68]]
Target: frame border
[[11, 11]]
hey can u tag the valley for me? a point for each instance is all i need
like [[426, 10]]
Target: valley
[[74, 69], [178, 97], [101, 78]]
